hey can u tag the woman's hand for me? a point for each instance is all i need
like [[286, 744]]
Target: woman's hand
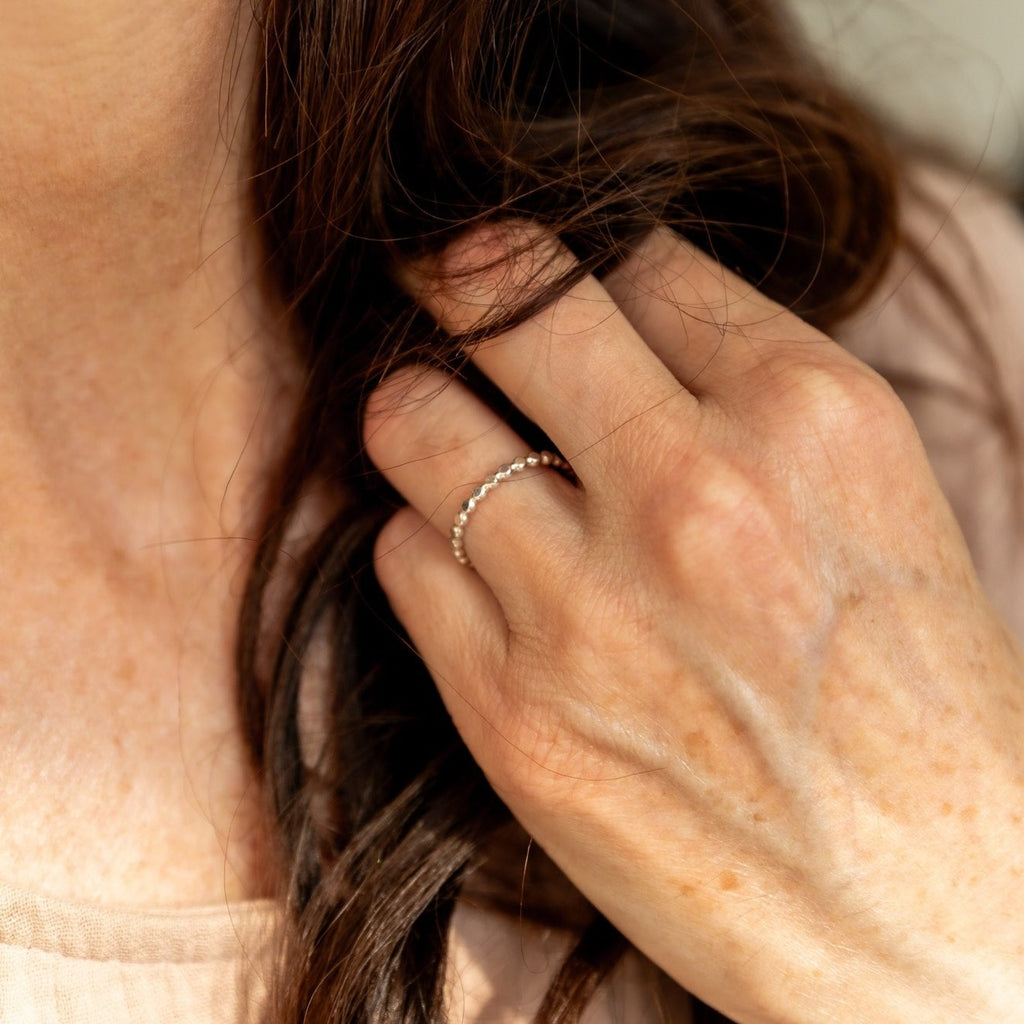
[[741, 683]]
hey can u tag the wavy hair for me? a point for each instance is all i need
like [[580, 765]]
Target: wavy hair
[[384, 129]]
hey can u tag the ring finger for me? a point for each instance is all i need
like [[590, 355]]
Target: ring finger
[[436, 443]]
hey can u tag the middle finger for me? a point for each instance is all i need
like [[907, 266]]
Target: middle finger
[[578, 368]]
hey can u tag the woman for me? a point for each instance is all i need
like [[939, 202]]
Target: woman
[[685, 665]]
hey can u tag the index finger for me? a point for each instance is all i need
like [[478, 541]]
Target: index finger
[[715, 331]]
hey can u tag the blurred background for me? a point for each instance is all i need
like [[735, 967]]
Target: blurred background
[[951, 69]]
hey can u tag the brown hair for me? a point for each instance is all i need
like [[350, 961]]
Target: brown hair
[[385, 128]]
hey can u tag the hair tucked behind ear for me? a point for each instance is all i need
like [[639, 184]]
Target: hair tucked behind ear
[[387, 127]]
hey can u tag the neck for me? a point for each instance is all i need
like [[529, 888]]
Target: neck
[[143, 394], [131, 331]]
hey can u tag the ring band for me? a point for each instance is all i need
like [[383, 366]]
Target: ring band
[[457, 535]]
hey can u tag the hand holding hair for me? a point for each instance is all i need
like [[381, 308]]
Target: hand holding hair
[[738, 678]]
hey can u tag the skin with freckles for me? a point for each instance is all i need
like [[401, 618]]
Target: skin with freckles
[[142, 388], [742, 682], [732, 681]]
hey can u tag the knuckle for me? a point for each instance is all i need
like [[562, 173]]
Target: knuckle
[[719, 507], [707, 513], [831, 397]]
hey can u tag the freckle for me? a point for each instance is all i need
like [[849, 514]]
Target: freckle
[[947, 809], [969, 814], [728, 881], [694, 740]]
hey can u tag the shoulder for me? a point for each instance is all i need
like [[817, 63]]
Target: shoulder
[[947, 327], [965, 243]]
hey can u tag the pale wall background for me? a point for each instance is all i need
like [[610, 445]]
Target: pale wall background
[[952, 68]]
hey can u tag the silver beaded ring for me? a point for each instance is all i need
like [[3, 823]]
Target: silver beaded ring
[[457, 535]]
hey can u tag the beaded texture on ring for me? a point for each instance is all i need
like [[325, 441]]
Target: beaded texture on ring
[[457, 533]]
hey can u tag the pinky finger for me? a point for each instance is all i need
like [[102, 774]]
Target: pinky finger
[[450, 614]]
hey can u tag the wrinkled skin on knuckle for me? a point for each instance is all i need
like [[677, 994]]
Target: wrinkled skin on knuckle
[[838, 444], [830, 401], [878, 495], [727, 547], [704, 511], [663, 443]]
